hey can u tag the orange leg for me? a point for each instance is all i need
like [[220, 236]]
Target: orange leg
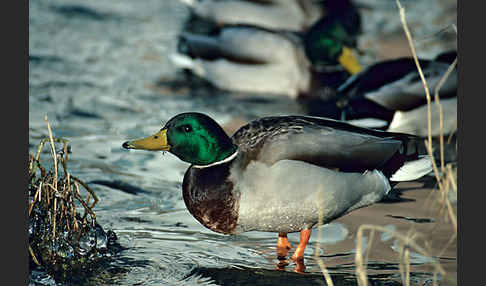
[[298, 256], [283, 247]]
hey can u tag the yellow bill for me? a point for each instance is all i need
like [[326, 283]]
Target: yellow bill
[[156, 142], [349, 61]]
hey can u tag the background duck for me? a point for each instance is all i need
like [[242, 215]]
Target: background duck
[[329, 28], [249, 58], [276, 174], [392, 92]]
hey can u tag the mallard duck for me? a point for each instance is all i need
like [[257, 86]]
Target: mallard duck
[[276, 174], [392, 91], [250, 59], [329, 28], [259, 60], [270, 14]]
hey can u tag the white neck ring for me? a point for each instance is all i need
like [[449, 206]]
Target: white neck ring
[[218, 162]]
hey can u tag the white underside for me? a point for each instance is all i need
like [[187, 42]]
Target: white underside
[[289, 195]]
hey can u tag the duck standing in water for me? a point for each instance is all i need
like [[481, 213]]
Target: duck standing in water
[[276, 174]]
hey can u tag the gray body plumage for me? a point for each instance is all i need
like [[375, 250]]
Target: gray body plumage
[[289, 195], [409, 92], [248, 59], [295, 171], [322, 142]]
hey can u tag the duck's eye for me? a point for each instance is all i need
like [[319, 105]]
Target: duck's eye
[[187, 128]]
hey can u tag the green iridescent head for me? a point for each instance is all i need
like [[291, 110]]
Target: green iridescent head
[[328, 43], [193, 137]]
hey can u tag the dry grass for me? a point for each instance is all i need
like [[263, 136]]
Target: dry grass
[[447, 177], [446, 180], [55, 195], [407, 242], [324, 271]]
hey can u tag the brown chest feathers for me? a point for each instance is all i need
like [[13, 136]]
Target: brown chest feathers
[[209, 197]]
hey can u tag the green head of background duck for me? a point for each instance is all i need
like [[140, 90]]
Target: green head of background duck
[[330, 41]]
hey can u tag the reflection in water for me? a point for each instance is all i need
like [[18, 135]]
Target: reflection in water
[[255, 276], [299, 264]]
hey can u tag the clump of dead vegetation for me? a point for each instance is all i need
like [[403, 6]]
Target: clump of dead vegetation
[[64, 237]]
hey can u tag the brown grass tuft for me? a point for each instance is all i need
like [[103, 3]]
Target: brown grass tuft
[[52, 203]]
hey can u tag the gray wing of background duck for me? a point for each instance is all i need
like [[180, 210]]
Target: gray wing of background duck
[[241, 44], [396, 84], [409, 92], [323, 142]]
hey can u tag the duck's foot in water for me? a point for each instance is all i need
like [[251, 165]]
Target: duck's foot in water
[[299, 265], [283, 247], [282, 263], [298, 256]]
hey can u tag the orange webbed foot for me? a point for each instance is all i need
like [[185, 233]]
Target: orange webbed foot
[[299, 264], [283, 247], [298, 256]]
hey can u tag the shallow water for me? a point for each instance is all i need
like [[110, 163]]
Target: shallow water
[[99, 71]]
